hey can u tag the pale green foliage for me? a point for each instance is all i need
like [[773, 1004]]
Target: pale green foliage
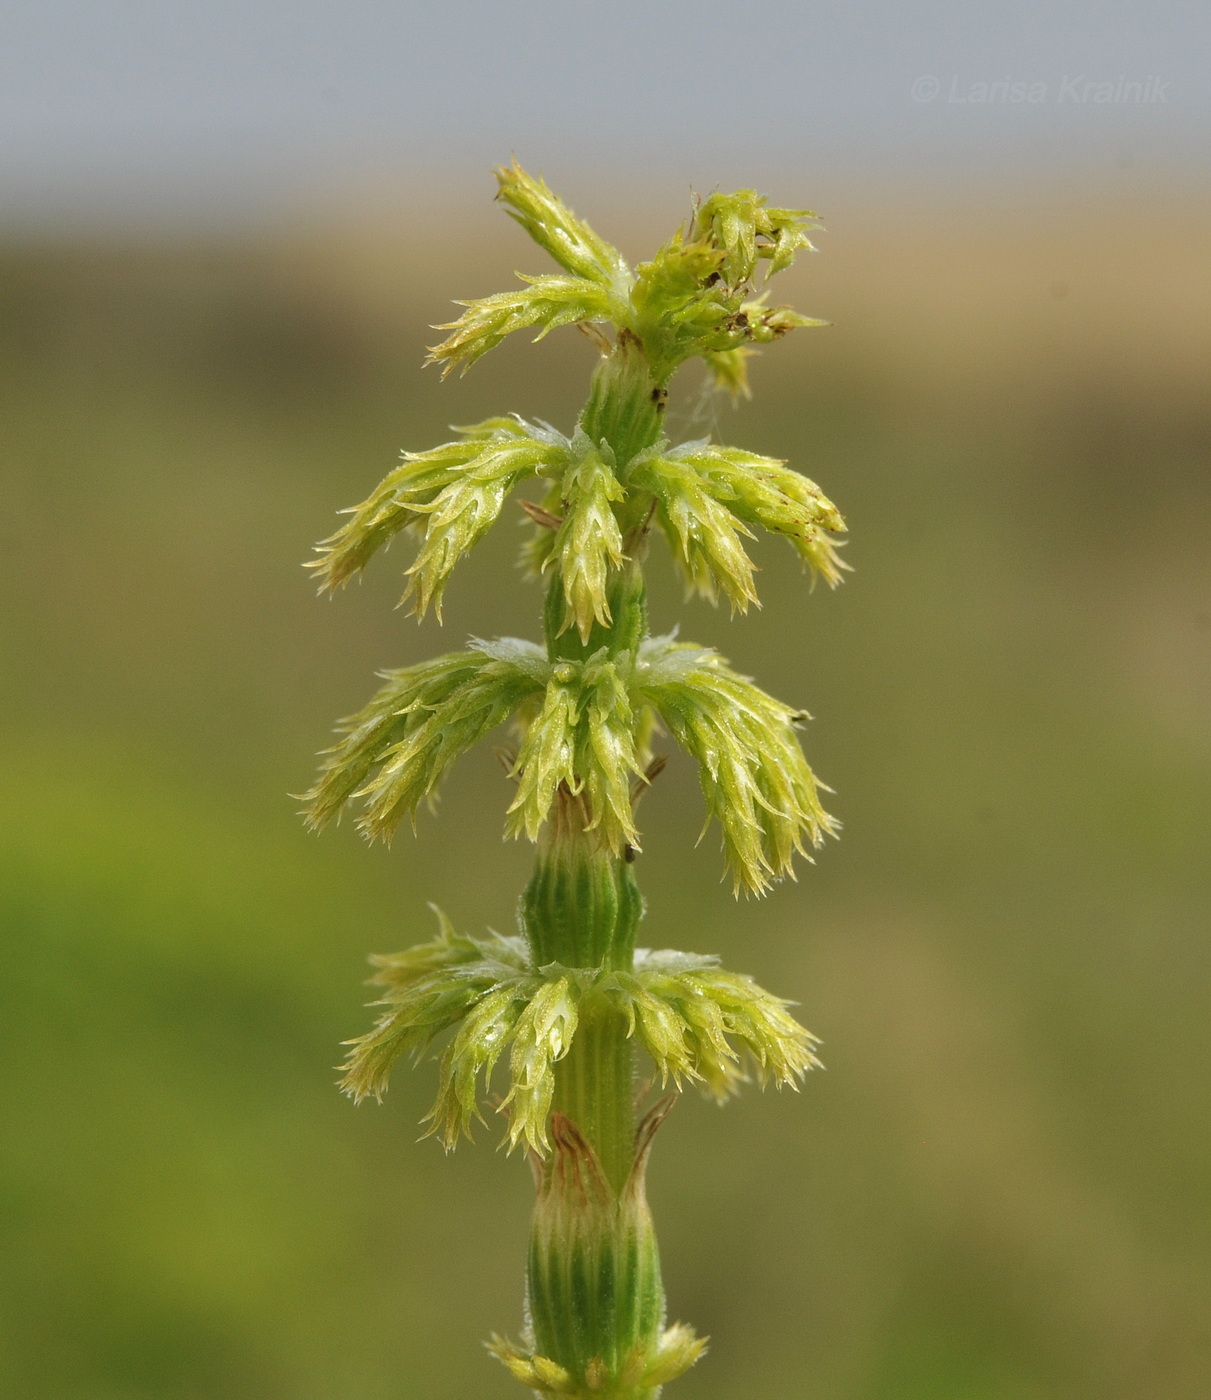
[[428, 989], [417, 725], [764, 491], [584, 735], [462, 513], [582, 741], [471, 1056], [519, 1011], [541, 1035], [451, 494], [699, 1022], [548, 302], [588, 542], [540, 1373], [756, 782], [691, 299], [488, 985], [729, 371], [708, 495], [553, 226], [702, 532], [607, 751], [682, 305], [547, 757], [762, 324], [746, 229], [676, 1352], [586, 706], [639, 1376]]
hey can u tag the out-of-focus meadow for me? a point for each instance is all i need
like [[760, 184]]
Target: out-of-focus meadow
[[1000, 1189]]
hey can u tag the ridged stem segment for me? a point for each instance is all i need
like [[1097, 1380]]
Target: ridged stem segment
[[625, 407], [594, 1294], [581, 909]]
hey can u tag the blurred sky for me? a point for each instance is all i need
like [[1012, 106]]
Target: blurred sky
[[137, 112]]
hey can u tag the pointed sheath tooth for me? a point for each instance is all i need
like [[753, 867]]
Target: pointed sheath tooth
[[552, 1376], [679, 1349], [595, 1297]]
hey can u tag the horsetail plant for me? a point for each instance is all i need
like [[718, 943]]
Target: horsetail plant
[[564, 1008]]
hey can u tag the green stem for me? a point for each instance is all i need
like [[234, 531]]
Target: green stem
[[626, 404], [582, 905], [581, 909], [628, 625], [593, 1285], [593, 1280], [595, 1088]]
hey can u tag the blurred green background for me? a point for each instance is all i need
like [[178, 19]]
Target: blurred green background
[[1000, 1189]]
